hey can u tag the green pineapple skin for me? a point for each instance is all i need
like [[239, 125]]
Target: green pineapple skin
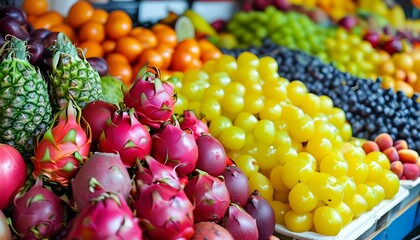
[[25, 109], [72, 76]]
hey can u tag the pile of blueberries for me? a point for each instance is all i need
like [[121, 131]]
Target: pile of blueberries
[[369, 108]]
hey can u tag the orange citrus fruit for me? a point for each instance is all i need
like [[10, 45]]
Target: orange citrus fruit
[[129, 47], [116, 58], [92, 30], [35, 7], [47, 20], [118, 24], [122, 71], [152, 57], [145, 36], [99, 15], [79, 13], [91, 49]]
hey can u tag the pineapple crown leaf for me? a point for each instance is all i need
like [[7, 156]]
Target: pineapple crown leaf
[[14, 48], [63, 44]]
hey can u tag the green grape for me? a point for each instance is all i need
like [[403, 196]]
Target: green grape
[[226, 63], [247, 59], [310, 104], [265, 155], [290, 113], [262, 184], [296, 90], [209, 67], [390, 182], [298, 170], [275, 90], [246, 121], [195, 106], [246, 73], [272, 110], [327, 221], [253, 104], [357, 204], [358, 170], [276, 180], [298, 222], [280, 210], [232, 138], [345, 212], [236, 88], [268, 65], [319, 147], [265, 131], [215, 92], [302, 199], [194, 91], [326, 188], [368, 194], [211, 108], [349, 187], [193, 76], [302, 129], [218, 125], [334, 164], [232, 103], [180, 105], [219, 78], [247, 163]]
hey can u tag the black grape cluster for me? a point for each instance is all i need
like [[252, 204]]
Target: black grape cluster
[[369, 108]]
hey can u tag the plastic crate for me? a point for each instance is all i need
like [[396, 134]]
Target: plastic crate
[[360, 228]]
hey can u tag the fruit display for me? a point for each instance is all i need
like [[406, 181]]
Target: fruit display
[[370, 109], [291, 144], [405, 162]]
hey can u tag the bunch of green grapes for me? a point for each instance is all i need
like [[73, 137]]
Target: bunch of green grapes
[[350, 53], [290, 29], [292, 144]]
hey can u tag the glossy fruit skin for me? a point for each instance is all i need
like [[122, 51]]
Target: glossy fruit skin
[[212, 230], [165, 212], [237, 184], [209, 195], [261, 210], [212, 157], [38, 213], [5, 232], [176, 148], [118, 24], [13, 172], [133, 145], [106, 217], [103, 172]]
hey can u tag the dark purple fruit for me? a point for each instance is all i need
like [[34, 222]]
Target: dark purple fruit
[[261, 210], [36, 51], [237, 184], [9, 25], [99, 64], [14, 12], [40, 33]]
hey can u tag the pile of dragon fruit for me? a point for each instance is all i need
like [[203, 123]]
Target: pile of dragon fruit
[[134, 171]]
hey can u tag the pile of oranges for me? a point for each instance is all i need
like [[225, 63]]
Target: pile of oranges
[[126, 48]]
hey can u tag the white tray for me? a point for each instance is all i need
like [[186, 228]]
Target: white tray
[[409, 184], [356, 227]]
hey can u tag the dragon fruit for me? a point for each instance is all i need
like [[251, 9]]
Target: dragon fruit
[[190, 121], [63, 148], [103, 172], [124, 134], [176, 148], [38, 213], [165, 212], [240, 223], [209, 195], [107, 217], [152, 99], [157, 172]]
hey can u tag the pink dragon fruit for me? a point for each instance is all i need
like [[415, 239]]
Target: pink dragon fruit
[[107, 217], [165, 212], [157, 172], [63, 148], [103, 172], [209, 195], [127, 136], [152, 99], [38, 213], [190, 121], [176, 148]]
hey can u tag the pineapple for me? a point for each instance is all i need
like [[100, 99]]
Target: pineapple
[[25, 109], [72, 76]]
